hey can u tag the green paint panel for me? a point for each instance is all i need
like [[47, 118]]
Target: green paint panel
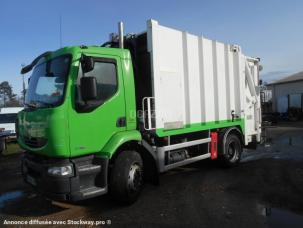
[[200, 127], [118, 139], [47, 123], [130, 96]]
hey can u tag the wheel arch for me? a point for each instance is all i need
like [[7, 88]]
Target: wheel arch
[[118, 140], [223, 133], [147, 154]]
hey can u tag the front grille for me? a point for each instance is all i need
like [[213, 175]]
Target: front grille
[[34, 142]]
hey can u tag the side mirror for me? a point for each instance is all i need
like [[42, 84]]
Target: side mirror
[[87, 63], [88, 87]]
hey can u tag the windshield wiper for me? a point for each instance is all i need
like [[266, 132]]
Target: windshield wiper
[[48, 105], [31, 105], [35, 104]]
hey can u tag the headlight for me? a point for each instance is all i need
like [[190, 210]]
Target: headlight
[[60, 171]]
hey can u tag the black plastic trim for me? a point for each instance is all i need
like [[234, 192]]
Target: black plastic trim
[[81, 185]]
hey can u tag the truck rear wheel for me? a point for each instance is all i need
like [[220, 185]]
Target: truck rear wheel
[[232, 151], [126, 180]]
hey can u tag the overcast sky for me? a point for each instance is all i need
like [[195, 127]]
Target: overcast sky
[[269, 29]]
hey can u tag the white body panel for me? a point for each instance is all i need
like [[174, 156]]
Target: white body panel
[[197, 80], [11, 110]]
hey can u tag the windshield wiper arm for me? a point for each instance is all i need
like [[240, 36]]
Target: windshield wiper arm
[[34, 104], [31, 105], [45, 103]]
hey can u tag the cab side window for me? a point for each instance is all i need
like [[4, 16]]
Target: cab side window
[[105, 73]]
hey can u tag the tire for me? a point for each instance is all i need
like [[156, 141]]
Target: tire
[[126, 178], [232, 150]]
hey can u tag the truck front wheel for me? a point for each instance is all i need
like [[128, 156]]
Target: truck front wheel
[[232, 151], [126, 179]]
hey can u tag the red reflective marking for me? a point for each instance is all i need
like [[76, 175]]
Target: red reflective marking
[[214, 145]]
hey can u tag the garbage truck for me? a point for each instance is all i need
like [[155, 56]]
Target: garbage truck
[[107, 119]]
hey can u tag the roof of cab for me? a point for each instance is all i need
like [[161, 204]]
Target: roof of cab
[[122, 53]]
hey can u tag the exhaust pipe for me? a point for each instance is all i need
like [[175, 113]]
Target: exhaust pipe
[[121, 34]]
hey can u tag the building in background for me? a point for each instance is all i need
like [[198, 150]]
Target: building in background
[[266, 99], [287, 94]]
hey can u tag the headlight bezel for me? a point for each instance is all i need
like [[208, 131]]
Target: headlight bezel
[[61, 171]]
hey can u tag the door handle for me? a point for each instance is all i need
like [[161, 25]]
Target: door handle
[[121, 122]]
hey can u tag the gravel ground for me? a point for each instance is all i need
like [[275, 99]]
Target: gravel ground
[[265, 190]]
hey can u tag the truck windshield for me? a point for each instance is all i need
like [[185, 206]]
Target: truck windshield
[[47, 83], [8, 118]]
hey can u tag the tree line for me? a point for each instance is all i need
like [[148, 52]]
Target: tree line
[[7, 96]]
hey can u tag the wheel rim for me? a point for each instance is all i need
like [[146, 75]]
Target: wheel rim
[[135, 178], [233, 151]]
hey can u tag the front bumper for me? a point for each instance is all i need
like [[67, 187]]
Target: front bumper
[[89, 177]]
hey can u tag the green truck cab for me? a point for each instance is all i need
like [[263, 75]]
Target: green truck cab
[[58, 124], [101, 119]]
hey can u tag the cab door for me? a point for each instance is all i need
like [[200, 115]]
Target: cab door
[[93, 123]]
